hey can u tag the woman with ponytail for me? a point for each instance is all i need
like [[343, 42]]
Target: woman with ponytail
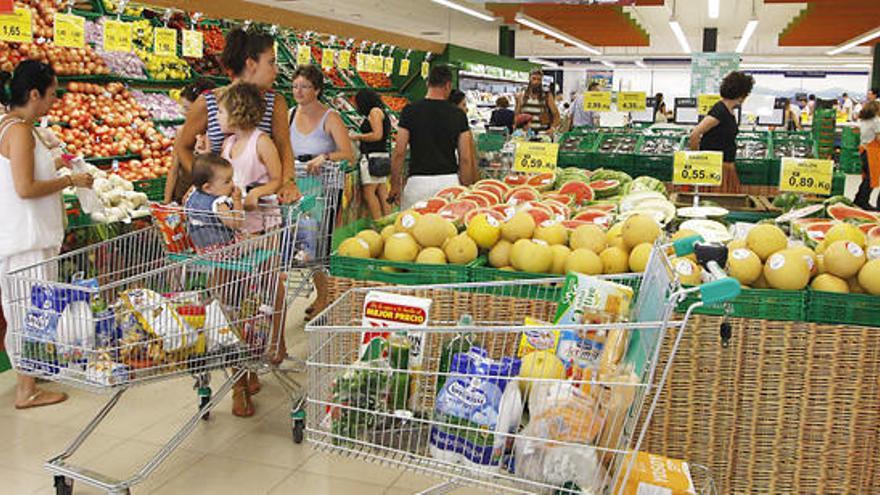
[[30, 192]]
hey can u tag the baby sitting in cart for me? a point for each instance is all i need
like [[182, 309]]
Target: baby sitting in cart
[[213, 205]]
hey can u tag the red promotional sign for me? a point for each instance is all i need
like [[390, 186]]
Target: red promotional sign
[[6, 6]]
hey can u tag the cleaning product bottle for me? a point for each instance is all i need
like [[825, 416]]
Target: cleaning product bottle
[[461, 343]]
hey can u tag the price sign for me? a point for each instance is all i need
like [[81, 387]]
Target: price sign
[[17, 26], [597, 101], [426, 67], [377, 63], [806, 176], [327, 55], [706, 102], [631, 101], [165, 41], [117, 36], [842, 116], [344, 59], [404, 67], [389, 66], [697, 168], [303, 55], [193, 44], [70, 30], [806, 118], [536, 158], [361, 62]]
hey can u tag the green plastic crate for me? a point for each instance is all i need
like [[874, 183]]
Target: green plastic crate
[[759, 304], [489, 142], [843, 309], [154, 188], [398, 273], [849, 138], [838, 183], [756, 172], [850, 162], [75, 216]]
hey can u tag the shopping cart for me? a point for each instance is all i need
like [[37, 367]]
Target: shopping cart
[[444, 417], [150, 306]]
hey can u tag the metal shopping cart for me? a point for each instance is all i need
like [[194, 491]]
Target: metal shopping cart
[[444, 417], [150, 306]]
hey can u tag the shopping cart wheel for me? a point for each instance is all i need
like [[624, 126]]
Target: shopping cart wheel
[[63, 486], [299, 427], [204, 398]]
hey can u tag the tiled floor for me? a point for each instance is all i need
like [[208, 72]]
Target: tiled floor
[[226, 455]]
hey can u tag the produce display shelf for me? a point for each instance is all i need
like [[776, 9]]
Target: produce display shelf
[[843, 309], [394, 272], [169, 122], [759, 304], [108, 160]]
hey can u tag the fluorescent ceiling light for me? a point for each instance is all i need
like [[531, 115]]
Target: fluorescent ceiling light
[[537, 26], [856, 42], [679, 35], [641, 63], [543, 62], [857, 66], [465, 10], [714, 8], [751, 26], [606, 63]]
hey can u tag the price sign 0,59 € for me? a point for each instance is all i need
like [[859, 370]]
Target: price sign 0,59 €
[[597, 101], [193, 44], [17, 26], [536, 158], [327, 55], [404, 67], [697, 168], [70, 30], [631, 101], [117, 36], [806, 176], [303, 55], [165, 42]]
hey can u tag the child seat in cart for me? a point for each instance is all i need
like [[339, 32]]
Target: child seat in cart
[[477, 387]]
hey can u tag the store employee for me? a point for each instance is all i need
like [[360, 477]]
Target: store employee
[[717, 131]]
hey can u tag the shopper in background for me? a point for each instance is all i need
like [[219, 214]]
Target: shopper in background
[[459, 99], [433, 130], [718, 130], [502, 116], [523, 127], [179, 179], [374, 141], [790, 118], [319, 136], [872, 94], [540, 104], [847, 105], [869, 152], [659, 108], [581, 117], [32, 228], [248, 57], [811, 105]]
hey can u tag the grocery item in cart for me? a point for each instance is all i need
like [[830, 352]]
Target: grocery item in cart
[[537, 340], [384, 310], [656, 474], [157, 317], [587, 299]]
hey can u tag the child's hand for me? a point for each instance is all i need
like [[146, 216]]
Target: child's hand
[[236, 193]]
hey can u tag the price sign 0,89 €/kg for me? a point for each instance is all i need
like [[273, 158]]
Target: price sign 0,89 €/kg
[[17, 27], [806, 176], [536, 158], [697, 168], [70, 30]]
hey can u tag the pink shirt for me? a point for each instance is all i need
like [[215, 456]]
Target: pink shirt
[[248, 172]]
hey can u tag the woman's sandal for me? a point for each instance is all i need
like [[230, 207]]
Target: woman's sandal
[[48, 399], [254, 386], [241, 403]]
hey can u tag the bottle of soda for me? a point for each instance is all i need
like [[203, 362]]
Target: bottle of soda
[[462, 342]]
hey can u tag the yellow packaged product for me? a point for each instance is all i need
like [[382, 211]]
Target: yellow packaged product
[[656, 474], [537, 340]]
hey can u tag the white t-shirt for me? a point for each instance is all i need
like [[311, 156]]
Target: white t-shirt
[[869, 130]]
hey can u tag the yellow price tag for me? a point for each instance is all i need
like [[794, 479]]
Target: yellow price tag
[[697, 168], [631, 101], [706, 102], [327, 56], [389, 65], [806, 118], [70, 30], [426, 68], [303, 55], [842, 117], [597, 101], [404, 67], [806, 175], [17, 26], [193, 44], [344, 59], [165, 41], [361, 62], [535, 158], [117, 36], [376, 64]]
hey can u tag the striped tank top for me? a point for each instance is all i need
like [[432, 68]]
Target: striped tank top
[[535, 107], [216, 136]]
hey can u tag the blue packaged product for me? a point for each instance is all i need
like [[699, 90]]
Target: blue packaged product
[[50, 297], [38, 345]]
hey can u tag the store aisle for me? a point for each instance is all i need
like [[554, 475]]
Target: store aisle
[[226, 455]]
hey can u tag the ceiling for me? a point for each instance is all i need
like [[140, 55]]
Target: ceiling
[[788, 29]]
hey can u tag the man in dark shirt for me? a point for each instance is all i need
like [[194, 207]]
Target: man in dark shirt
[[433, 129]]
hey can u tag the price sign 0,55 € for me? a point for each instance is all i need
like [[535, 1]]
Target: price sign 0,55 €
[[536, 158], [806, 176], [597, 101], [70, 30], [17, 26], [697, 168]]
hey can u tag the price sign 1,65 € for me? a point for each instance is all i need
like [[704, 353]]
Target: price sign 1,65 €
[[536, 158]]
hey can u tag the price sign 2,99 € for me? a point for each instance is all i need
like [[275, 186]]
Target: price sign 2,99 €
[[536, 158], [697, 168], [806, 176]]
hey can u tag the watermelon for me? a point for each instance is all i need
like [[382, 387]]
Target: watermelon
[[451, 193], [487, 211], [497, 192], [514, 180], [605, 187], [540, 215], [607, 207], [573, 224], [581, 192], [506, 211], [490, 182], [542, 182], [840, 211], [522, 194], [816, 231], [432, 205], [455, 212], [597, 217], [557, 207], [868, 227], [874, 234]]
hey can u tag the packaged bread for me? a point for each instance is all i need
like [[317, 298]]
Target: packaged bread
[[655, 474]]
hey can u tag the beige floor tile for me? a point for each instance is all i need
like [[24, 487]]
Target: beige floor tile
[[18, 481], [354, 469], [216, 475], [413, 482], [268, 442], [305, 483]]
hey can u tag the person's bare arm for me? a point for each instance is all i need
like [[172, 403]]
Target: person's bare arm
[[171, 180], [336, 128], [467, 172], [185, 142], [703, 127], [397, 158], [269, 157], [232, 218], [554, 111], [20, 145], [519, 103], [288, 192], [377, 117]]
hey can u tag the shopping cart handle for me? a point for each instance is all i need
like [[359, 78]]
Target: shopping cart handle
[[306, 203], [719, 291], [685, 245]]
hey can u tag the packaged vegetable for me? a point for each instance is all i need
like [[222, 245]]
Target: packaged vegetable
[[587, 300]]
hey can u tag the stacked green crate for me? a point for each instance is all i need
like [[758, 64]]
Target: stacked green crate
[[754, 164], [850, 162], [617, 152], [824, 121], [577, 149], [796, 144], [655, 154]]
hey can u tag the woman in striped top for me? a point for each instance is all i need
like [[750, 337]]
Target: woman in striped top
[[540, 104], [250, 58]]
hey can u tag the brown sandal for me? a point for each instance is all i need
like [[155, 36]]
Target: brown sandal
[[241, 402], [48, 399], [254, 386]]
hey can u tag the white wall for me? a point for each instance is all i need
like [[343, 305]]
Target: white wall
[[826, 87], [673, 82]]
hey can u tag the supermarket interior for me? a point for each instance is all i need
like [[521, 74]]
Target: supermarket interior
[[591, 247]]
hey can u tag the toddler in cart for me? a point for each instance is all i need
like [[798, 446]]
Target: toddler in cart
[[213, 205]]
